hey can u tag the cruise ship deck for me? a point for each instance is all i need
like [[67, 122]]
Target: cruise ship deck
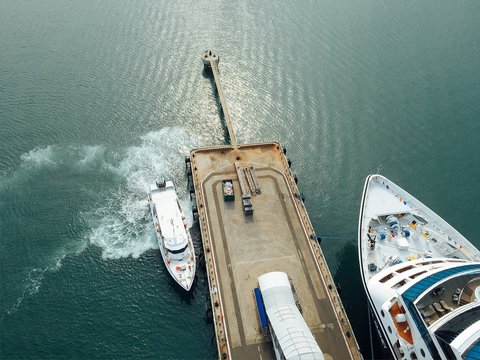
[[278, 236]]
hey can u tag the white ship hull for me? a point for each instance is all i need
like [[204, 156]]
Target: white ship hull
[[421, 277], [173, 236]]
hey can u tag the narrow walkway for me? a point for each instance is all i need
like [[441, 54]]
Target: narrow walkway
[[213, 59]]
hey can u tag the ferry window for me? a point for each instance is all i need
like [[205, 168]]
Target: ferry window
[[417, 274], [413, 356], [386, 278], [381, 312], [405, 269], [447, 350], [422, 352], [389, 329], [177, 251], [421, 219]]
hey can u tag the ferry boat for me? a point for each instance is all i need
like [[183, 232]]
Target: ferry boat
[[172, 232], [421, 276]]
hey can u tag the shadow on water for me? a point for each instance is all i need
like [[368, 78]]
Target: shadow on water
[[349, 281], [208, 74], [187, 297], [200, 283]]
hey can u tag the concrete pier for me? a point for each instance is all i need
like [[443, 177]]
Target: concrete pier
[[278, 236], [210, 59]]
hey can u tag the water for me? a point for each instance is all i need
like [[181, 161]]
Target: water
[[100, 98]]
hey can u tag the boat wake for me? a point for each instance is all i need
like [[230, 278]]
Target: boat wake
[[119, 221], [121, 225], [32, 284]]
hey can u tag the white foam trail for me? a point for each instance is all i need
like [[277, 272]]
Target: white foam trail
[[80, 159], [54, 158], [91, 157], [33, 282], [40, 157], [122, 226], [69, 156]]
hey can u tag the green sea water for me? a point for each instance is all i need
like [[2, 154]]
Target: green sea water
[[99, 98]]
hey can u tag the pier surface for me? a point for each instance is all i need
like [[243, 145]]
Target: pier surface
[[278, 236], [223, 103]]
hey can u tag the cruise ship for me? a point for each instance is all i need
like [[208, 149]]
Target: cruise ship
[[172, 232], [421, 276]]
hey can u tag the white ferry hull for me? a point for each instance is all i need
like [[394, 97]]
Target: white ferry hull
[[377, 323], [181, 264], [381, 331], [420, 275]]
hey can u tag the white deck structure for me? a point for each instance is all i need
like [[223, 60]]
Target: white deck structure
[[421, 276], [172, 233], [292, 339]]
